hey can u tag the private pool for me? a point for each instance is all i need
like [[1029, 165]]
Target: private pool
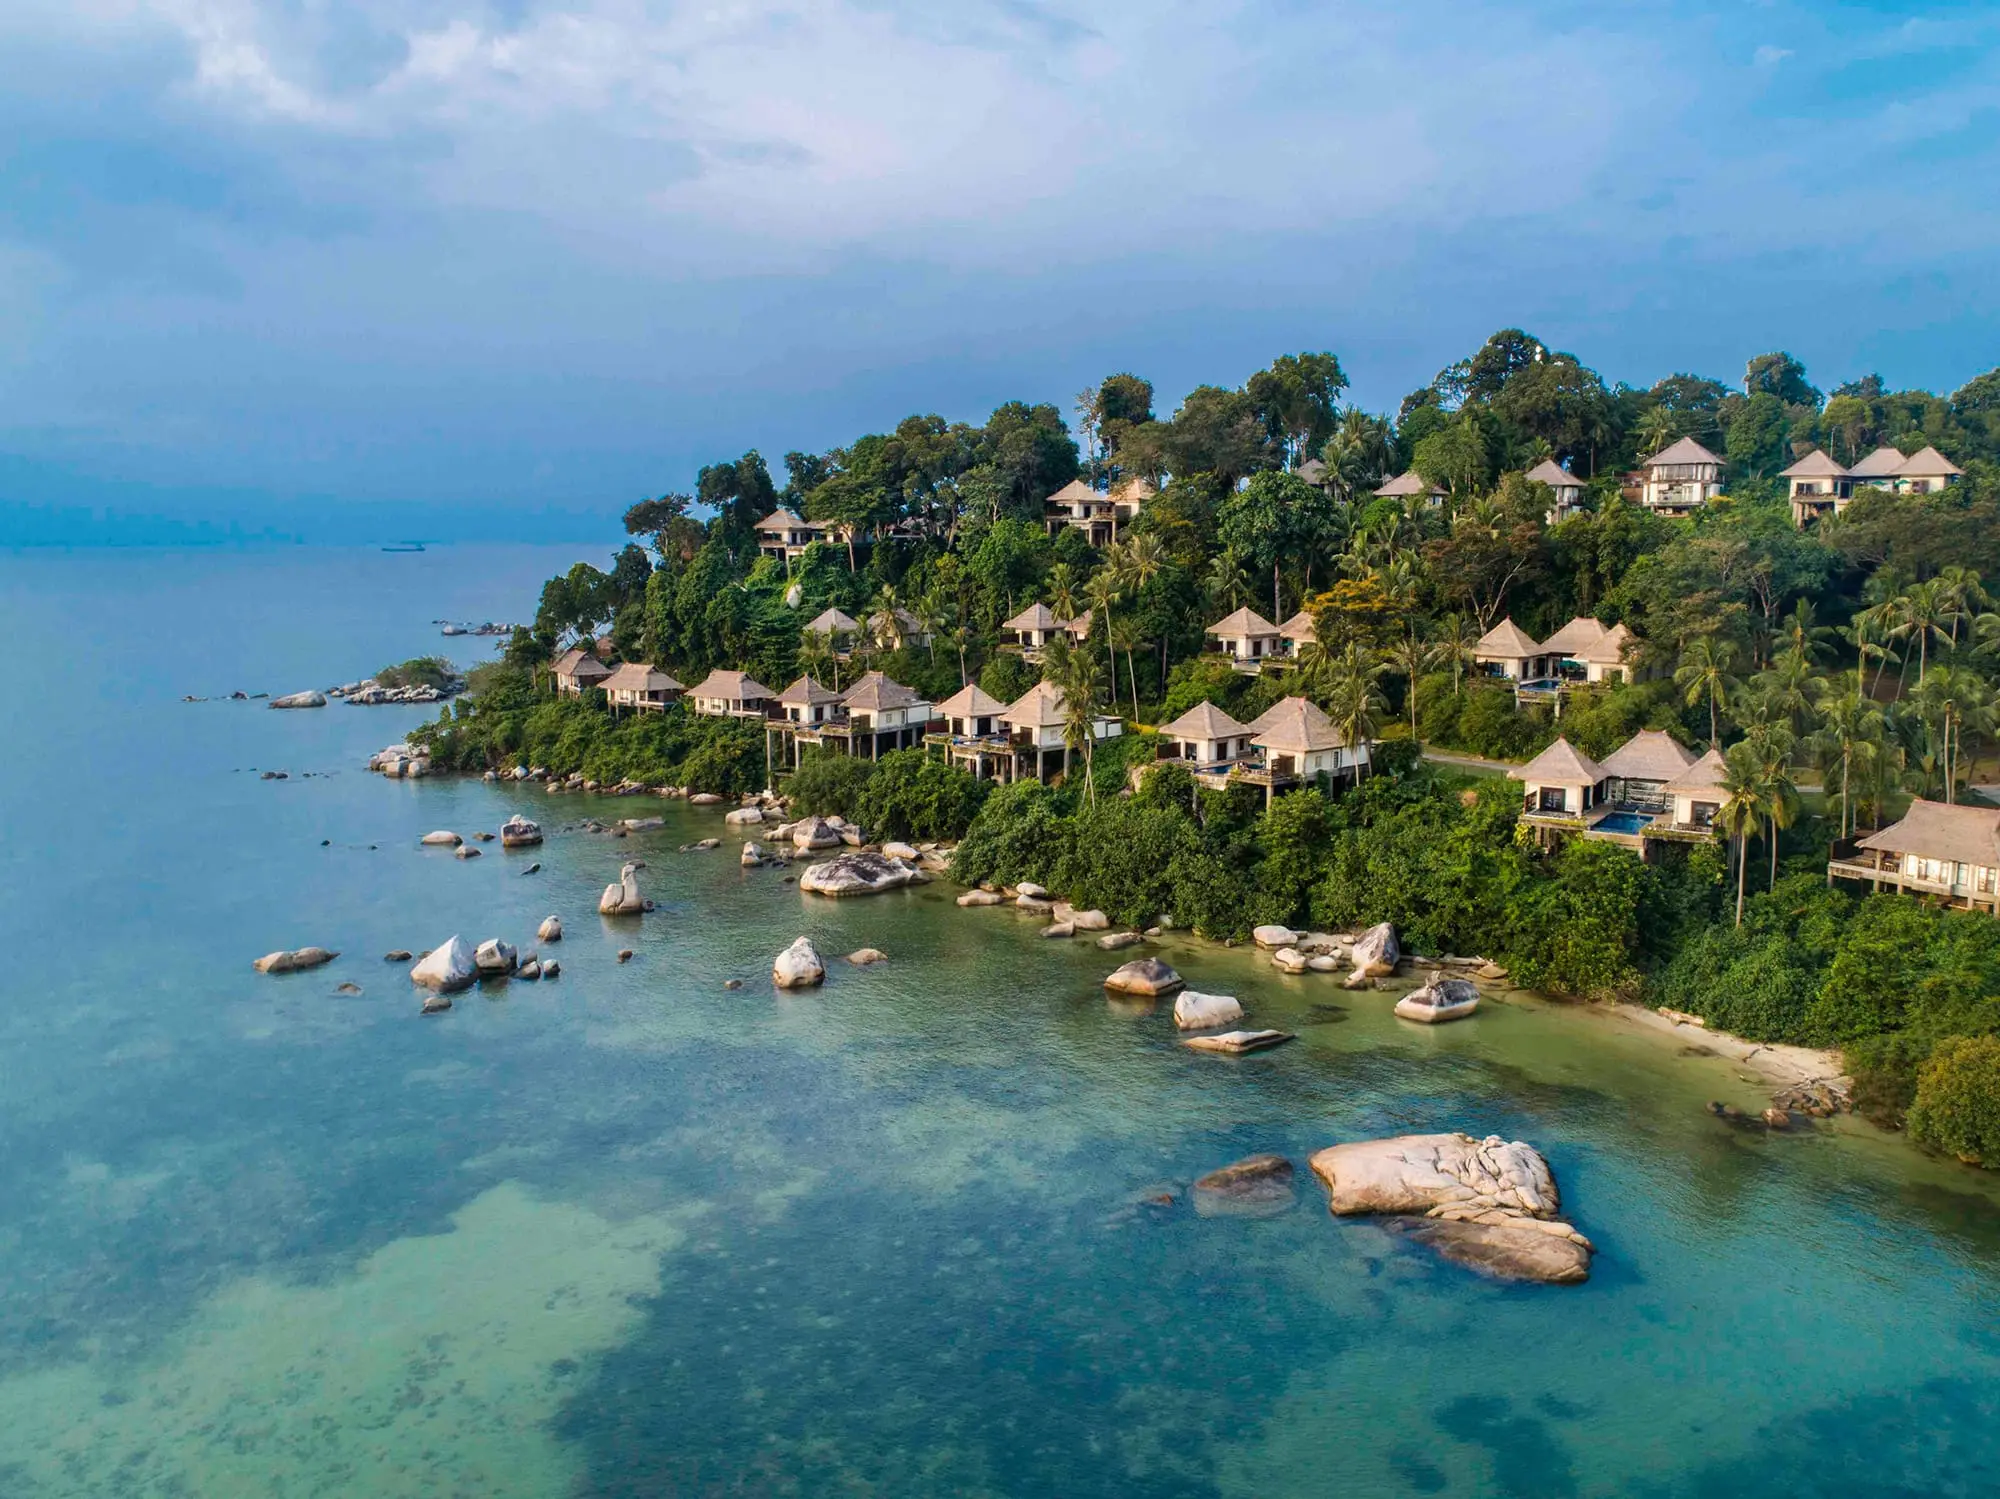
[[1623, 822]]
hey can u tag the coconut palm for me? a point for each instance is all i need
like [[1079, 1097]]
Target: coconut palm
[[1742, 808], [1074, 671], [1126, 636], [1656, 429], [1101, 592], [1779, 791], [1802, 632], [1923, 611], [1063, 591], [1456, 638], [1144, 559], [1706, 673], [1226, 583], [1850, 729], [1963, 595], [1355, 694], [927, 613], [1413, 656], [818, 659]]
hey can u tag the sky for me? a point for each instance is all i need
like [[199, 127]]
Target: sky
[[423, 268]]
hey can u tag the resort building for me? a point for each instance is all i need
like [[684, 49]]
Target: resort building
[[1697, 794], [1567, 486], [1606, 659], [1585, 650], [1680, 478], [1650, 790], [1035, 725], [1296, 743], [1878, 469], [1098, 515], [1206, 739], [1560, 785], [1410, 485], [782, 535], [1246, 638], [806, 704], [1295, 634], [731, 694], [1926, 472], [1638, 772], [839, 627], [900, 628], [576, 671], [973, 735], [1035, 626], [645, 688], [1947, 851], [1508, 651], [884, 713], [1821, 487]]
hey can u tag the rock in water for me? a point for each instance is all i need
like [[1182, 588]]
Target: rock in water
[[518, 832], [294, 960], [1112, 941], [550, 930], [743, 816], [1194, 1011], [861, 957], [300, 700], [814, 833], [1144, 976], [530, 970], [857, 874], [703, 799], [1259, 1186], [798, 966], [551, 969], [1289, 960], [467, 851], [623, 898], [981, 898], [1090, 921], [493, 958], [895, 850], [396, 955], [1059, 929], [435, 1001], [624, 954], [347, 989], [1235, 1043], [1376, 952], [1274, 936], [754, 854], [441, 839], [447, 969], [1031, 890], [1439, 1001], [1487, 1204]]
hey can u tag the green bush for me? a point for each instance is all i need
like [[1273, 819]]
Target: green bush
[[913, 795], [1957, 1106], [1007, 676], [1020, 834], [828, 784], [418, 671], [1119, 859]]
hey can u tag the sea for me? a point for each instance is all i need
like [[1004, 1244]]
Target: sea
[[925, 1230]]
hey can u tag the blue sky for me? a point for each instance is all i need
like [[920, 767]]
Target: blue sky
[[388, 267]]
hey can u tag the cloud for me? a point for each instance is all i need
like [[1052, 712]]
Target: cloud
[[1770, 57]]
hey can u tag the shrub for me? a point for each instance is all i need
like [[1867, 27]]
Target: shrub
[[1119, 859], [418, 671], [1007, 676], [1957, 1106], [912, 795], [828, 784], [1020, 834]]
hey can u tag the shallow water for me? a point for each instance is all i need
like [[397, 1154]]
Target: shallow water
[[633, 1233]]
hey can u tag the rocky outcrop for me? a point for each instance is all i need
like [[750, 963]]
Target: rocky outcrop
[[1376, 953], [495, 959], [520, 832], [1440, 1000], [442, 838], [814, 833], [798, 966], [1235, 1043], [294, 960], [754, 854], [623, 898], [447, 969], [981, 898], [1112, 941], [550, 930], [1274, 936], [858, 873], [1147, 977], [1288, 960], [1490, 1204], [300, 700], [862, 957], [1260, 1186], [1194, 1011]]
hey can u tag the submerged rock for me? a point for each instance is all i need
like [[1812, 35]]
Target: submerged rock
[[1288, 960], [798, 966], [1234, 1043], [981, 898], [442, 838], [300, 700], [436, 1000], [1145, 976], [1194, 1011], [857, 873], [1057, 930], [294, 960], [1259, 1186], [447, 969], [1490, 1205], [467, 851], [1115, 940], [861, 957], [623, 898]]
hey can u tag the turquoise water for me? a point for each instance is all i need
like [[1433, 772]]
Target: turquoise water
[[634, 1233]]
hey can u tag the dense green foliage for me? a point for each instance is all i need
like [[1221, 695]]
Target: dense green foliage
[[418, 671], [1957, 1106]]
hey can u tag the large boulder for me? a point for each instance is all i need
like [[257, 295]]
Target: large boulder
[[754, 854], [1091, 921], [1147, 977], [550, 930], [300, 700], [1289, 960], [623, 898], [814, 833], [442, 838], [703, 799], [1235, 1043], [904, 851], [1440, 1000], [520, 832], [1194, 1011], [743, 816], [1112, 941], [447, 969], [1274, 936], [981, 898], [494, 958], [1376, 952], [294, 960], [798, 966], [1488, 1204], [1257, 1187], [857, 874]]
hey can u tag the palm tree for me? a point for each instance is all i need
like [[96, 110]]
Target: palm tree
[[1144, 559], [1802, 632], [959, 636], [927, 611], [1773, 748], [885, 618], [1227, 584], [1074, 672], [1963, 595], [1356, 694], [1101, 592], [1656, 429], [1742, 808], [1063, 592], [1850, 728], [1922, 611], [1456, 639], [1126, 637], [1413, 656], [817, 657], [1705, 672]]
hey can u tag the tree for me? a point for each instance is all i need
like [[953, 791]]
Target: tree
[[1957, 1104], [1781, 377], [1297, 401], [1102, 592], [1354, 694], [1850, 729], [1218, 431], [1706, 672], [1455, 456], [1256, 522], [1073, 670], [1755, 445], [1742, 809], [1413, 657]]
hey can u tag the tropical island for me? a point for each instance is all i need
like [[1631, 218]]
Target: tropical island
[[1677, 694]]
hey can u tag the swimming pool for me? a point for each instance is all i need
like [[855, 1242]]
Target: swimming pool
[[1623, 822]]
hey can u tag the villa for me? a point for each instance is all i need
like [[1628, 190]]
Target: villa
[[885, 713], [1295, 634], [1638, 772], [1035, 727], [1408, 485], [1508, 651], [1939, 849], [1561, 785], [1821, 487], [1296, 744], [839, 627], [973, 735], [1567, 486], [782, 535], [1648, 790], [576, 671], [806, 704], [1206, 739], [1246, 638], [901, 627], [1035, 626], [642, 687], [1099, 516], [1588, 651], [1680, 478], [730, 694], [1697, 794]]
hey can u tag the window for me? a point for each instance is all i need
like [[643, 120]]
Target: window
[[1552, 799]]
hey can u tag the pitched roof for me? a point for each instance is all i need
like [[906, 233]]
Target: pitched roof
[[1549, 472], [1034, 617], [970, 702], [1075, 490], [1406, 483], [1299, 629], [1879, 464], [636, 676], [1561, 764], [1313, 471], [1928, 463], [1040, 707], [578, 662], [1244, 623], [1296, 726], [1649, 755], [1079, 628], [1574, 636], [1133, 491], [1815, 465], [1681, 450], [1609, 648], [1933, 830], [1704, 775], [734, 685], [1508, 641], [906, 621], [806, 692], [1204, 721], [833, 622], [876, 693], [781, 519]]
